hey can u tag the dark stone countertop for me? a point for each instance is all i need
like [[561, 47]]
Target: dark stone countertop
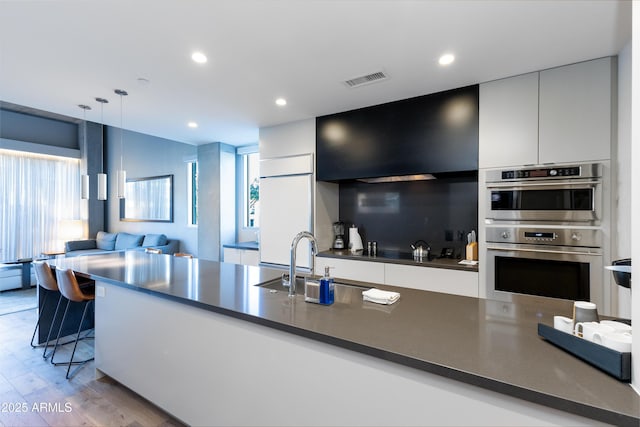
[[486, 343], [397, 257]]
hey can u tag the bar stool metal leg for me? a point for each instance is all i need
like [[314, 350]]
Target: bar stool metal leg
[[71, 291], [81, 362], [53, 322], [44, 304], [55, 346]]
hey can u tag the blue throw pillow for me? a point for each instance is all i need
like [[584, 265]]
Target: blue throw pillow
[[105, 241], [128, 241], [154, 240]]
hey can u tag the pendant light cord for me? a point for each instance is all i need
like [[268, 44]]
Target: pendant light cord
[[101, 136], [121, 137], [121, 93], [84, 128]]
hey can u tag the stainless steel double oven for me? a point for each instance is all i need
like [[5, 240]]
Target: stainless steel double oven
[[543, 232]]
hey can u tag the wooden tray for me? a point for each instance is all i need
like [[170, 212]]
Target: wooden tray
[[610, 361]]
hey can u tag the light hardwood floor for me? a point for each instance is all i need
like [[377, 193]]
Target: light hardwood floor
[[17, 300], [35, 393]]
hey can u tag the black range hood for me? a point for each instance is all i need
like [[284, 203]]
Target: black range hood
[[434, 134]]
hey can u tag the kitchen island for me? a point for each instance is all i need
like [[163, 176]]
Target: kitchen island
[[202, 341]]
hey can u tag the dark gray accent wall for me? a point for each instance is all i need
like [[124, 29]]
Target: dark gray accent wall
[[91, 165], [145, 156], [216, 199], [395, 215], [40, 130]]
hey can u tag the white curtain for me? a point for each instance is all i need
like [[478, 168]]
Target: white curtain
[[37, 193]]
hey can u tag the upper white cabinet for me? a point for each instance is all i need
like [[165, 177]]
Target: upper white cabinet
[[576, 103], [559, 115], [509, 122]]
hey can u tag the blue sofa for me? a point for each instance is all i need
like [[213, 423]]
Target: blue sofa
[[105, 243]]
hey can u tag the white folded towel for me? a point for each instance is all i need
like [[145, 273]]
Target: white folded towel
[[380, 297]]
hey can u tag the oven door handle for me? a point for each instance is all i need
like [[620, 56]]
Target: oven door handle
[[544, 251], [542, 184]]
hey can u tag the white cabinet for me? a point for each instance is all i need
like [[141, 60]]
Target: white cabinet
[[509, 122], [286, 208], [560, 115], [241, 256], [250, 257], [364, 271], [443, 280], [575, 112], [232, 256]]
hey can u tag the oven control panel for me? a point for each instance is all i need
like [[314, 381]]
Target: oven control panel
[[545, 236], [539, 236], [541, 173], [546, 173]]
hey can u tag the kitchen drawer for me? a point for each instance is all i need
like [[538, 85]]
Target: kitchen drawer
[[241, 256], [250, 257], [363, 271], [432, 279]]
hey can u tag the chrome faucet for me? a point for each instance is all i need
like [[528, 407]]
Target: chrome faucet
[[292, 265]]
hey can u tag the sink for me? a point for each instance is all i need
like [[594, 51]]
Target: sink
[[277, 284], [344, 293]]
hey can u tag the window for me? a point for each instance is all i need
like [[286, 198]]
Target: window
[[247, 191], [39, 194], [252, 190], [192, 192]]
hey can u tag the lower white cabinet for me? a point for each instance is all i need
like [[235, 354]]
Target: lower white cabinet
[[364, 271], [455, 282], [241, 256], [444, 280]]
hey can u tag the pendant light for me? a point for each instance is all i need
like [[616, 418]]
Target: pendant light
[[84, 179], [102, 177], [122, 174]]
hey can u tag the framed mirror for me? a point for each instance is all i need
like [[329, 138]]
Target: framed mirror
[[148, 199]]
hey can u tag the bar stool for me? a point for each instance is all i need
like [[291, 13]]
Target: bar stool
[[153, 250], [70, 289], [47, 281], [183, 255]]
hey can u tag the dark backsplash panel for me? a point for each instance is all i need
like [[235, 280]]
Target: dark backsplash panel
[[395, 215]]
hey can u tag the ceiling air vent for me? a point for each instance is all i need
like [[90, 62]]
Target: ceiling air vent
[[364, 80]]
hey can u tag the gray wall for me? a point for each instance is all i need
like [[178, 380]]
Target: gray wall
[[144, 156], [216, 199], [21, 126]]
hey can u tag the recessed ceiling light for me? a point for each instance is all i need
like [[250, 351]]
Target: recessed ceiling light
[[199, 57], [281, 102], [446, 59], [192, 125]]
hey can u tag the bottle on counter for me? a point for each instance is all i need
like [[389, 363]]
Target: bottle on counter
[[355, 241], [327, 288]]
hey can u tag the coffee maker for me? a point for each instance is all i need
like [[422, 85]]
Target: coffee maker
[[338, 231]]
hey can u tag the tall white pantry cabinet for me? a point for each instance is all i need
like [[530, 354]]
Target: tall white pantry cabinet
[[296, 202]]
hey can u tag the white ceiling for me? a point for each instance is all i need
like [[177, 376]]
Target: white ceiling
[[55, 55]]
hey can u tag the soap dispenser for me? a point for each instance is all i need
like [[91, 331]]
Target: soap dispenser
[[327, 288]]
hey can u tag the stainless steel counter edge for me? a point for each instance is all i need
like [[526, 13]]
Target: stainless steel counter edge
[[345, 324], [447, 263]]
